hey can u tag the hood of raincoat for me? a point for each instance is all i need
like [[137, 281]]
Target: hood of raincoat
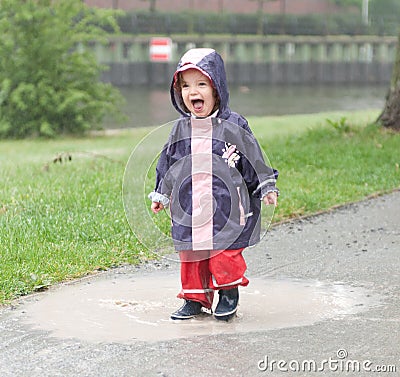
[[210, 63]]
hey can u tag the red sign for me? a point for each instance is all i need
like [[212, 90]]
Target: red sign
[[160, 49]]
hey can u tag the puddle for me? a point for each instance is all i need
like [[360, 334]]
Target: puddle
[[128, 309]]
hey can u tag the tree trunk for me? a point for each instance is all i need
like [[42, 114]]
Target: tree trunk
[[152, 6], [390, 116], [260, 17]]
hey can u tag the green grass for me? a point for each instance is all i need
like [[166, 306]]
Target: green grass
[[325, 167], [59, 221], [294, 124]]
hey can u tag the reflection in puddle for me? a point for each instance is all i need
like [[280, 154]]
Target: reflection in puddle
[[127, 309]]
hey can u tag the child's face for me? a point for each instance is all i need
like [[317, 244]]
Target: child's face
[[197, 93]]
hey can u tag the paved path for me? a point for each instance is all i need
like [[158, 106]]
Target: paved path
[[354, 249]]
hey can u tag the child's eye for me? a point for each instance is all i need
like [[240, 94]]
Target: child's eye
[[184, 85], [202, 84]]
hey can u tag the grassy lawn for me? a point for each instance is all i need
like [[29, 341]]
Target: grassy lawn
[[62, 220]]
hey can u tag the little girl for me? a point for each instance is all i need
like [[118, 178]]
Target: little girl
[[212, 174]]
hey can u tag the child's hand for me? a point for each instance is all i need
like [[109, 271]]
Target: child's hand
[[156, 207], [271, 198]]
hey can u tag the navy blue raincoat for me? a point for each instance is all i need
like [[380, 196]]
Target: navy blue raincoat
[[211, 171]]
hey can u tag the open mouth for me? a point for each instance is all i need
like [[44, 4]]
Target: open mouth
[[198, 104]]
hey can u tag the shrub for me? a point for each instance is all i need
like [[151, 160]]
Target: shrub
[[49, 82]]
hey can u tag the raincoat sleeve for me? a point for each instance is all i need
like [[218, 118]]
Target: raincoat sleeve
[[259, 177], [162, 190]]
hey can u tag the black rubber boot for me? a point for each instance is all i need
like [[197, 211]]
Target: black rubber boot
[[227, 304], [188, 310]]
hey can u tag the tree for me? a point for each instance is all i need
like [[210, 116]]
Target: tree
[[49, 81], [260, 15], [347, 3], [390, 116], [384, 9], [152, 5], [384, 15]]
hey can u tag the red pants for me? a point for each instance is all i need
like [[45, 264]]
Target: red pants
[[203, 272]]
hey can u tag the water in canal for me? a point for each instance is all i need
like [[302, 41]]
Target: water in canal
[[151, 106]]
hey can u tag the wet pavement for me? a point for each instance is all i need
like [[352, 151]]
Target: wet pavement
[[323, 299], [123, 309]]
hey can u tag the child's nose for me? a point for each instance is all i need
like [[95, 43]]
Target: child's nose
[[193, 90]]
